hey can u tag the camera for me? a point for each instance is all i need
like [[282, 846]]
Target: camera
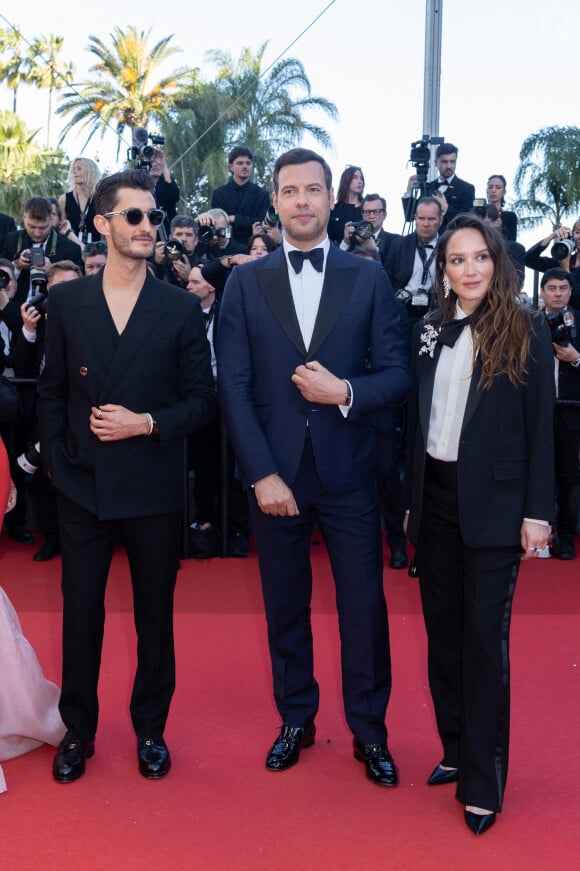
[[29, 461], [174, 250], [562, 327], [207, 233], [562, 249], [362, 229], [4, 279], [38, 301], [420, 156], [140, 153], [484, 210], [271, 218], [38, 280]]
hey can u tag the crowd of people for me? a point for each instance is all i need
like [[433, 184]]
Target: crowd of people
[[367, 382]]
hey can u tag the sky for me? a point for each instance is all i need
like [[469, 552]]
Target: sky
[[508, 69]]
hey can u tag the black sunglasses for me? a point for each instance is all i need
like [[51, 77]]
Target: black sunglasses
[[135, 216], [95, 247]]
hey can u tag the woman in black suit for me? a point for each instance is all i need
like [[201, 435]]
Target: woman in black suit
[[507, 221], [480, 494]]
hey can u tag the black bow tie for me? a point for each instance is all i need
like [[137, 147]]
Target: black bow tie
[[297, 258], [450, 332]]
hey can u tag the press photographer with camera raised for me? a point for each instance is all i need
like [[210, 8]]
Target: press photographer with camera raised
[[215, 235], [563, 254], [368, 233], [34, 248], [176, 257], [564, 322]]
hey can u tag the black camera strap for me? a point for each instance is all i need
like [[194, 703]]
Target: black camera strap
[[53, 236], [426, 263]]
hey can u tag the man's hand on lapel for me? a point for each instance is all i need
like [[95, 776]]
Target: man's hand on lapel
[[112, 423], [317, 384], [275, 497]]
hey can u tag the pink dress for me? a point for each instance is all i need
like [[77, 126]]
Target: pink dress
[[29, 714]]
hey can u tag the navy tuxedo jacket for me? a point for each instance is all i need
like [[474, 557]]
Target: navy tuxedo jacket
[[505, 464], [260, 345], [161, 365]]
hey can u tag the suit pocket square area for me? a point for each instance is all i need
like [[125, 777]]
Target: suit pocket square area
[[509, 471]]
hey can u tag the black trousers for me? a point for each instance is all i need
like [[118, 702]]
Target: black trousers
[[350, 525], [567, 445], [87, 546], [467, 596]]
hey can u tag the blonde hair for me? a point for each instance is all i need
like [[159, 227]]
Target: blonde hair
[[91, 174]]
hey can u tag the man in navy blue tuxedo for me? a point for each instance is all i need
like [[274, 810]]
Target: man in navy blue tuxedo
[[310, 347]]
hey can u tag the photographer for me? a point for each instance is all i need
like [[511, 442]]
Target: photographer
[[166, 188], [243, 202], [10, 320], [215, 235], [28, 359], [374, 212], [176, 257], [455, 196], [564, 323], [36, 246], [564, 254]]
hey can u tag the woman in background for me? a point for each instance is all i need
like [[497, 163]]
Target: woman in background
[[480, 489], [77, 203], [29, 714], [507, 221], [348, 202]]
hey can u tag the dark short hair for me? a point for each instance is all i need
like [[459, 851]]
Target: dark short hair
[[239, 151], [558, 274], [297, 156], [429, 201], [38, 208], [503, 181], [368, 197], [54, 202], [62, 266], [105, 197], [185, 221], [446, 148]]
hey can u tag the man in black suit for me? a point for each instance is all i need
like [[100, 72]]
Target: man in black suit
[[296, 330], [374, 210], [37, 234], [127, 375], [556, 289], [411, 260], [7, 225], [243, 201], [454, 194]]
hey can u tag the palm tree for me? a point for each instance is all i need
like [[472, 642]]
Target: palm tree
[[26, 169], [268, 111], [13, 69], [45, 71], [548, 177], [127, 90]]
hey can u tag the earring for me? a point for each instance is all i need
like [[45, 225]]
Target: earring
[[446, 286]]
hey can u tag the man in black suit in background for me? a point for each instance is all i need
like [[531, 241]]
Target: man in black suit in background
[[455, 195], [296, 330], [373, 210], [127, 375]]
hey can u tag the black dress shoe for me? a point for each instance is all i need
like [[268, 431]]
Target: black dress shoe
[[285, 750], [153, 756], [566, 552], [49, 549], [479, 823], [441, 775], [20, 534], [380, 765], [398, 559], [69, 762], [238, 545]]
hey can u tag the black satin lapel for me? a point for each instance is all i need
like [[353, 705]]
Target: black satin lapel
[[336, 292], [474, 396], [426, 384], [275, 286], [145, 318]]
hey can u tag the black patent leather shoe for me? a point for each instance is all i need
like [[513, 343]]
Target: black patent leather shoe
[[441, 775], [49, 549], [20, 534], [479, 823], [380, 765], [285, 751], [153, 756], [69, 762], [398, 559]]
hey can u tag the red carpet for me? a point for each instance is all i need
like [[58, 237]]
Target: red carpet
[[220, 810]]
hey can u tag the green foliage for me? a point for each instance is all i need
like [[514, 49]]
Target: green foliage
[[127, 89], [26, 169], [548, 177], [13, 65]]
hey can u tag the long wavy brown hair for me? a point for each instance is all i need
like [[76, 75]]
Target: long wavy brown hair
[[501, 326]]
